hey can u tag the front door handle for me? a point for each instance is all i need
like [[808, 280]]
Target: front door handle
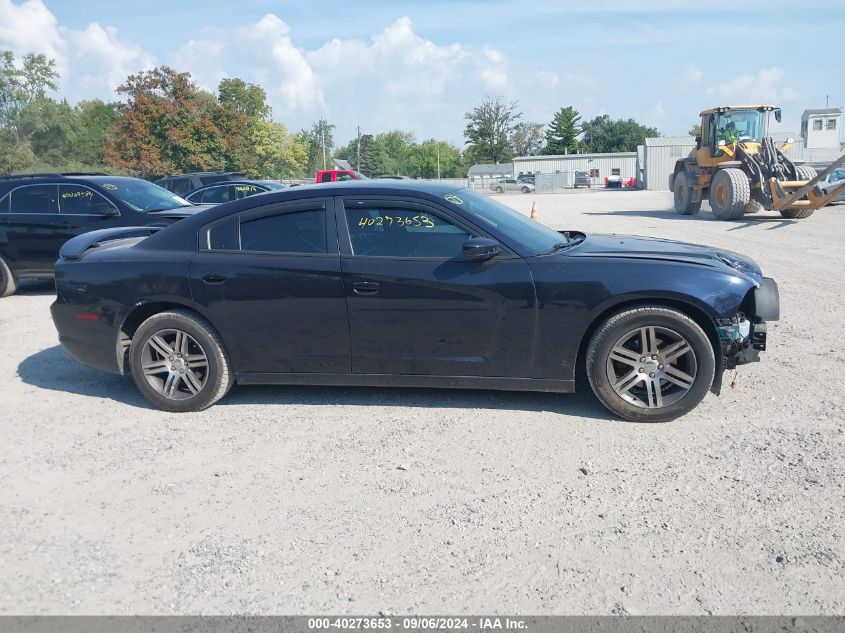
[[214, 278], [365, 287]]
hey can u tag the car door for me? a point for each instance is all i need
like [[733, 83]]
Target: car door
[[81, 209], [31, 231], [416, 307], [270, 281]]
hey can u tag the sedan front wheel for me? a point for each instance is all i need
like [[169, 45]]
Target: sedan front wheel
[[650, 364]]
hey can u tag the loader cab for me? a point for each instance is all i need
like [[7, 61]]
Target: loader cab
[[722, 128]]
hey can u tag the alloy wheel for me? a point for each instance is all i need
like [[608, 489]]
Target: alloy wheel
[[651, 367], [174, 364]]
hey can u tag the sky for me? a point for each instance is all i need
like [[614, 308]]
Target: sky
[[419, 66]]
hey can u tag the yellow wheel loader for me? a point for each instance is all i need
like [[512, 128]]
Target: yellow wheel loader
[[736, 166]]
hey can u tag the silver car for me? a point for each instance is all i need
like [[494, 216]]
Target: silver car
[[834, 179], [511, 184]]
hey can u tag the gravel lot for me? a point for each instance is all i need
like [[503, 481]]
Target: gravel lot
[[304, 500]]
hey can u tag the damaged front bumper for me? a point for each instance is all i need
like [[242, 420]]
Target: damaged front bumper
[[743, 336]]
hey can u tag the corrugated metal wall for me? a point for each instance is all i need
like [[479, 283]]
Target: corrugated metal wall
[[660, 157], [626, 162]]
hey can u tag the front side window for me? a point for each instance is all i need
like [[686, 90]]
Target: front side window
[[34, 199], [740, 125], [79, 200], [292, 232], [396, 232], [244, 191], [831, 124], [817, 125]]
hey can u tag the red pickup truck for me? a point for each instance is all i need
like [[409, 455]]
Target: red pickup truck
[[336, 175]]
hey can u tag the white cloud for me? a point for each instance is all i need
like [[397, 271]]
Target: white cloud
[[92, 62], [766, 86], [690, 77]]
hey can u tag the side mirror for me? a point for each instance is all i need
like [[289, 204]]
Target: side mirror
[[777, 115], [698, 140], [479, 249]]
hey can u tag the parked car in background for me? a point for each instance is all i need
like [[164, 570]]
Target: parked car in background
[[338, 175], [182, 184], [613, 182], [831, 181], [232, 190], [511, 184], [40, 212], [377, 284], [582, 179]]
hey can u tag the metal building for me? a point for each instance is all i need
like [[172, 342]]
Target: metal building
[[660, 154], [599, 166], [480, 176]]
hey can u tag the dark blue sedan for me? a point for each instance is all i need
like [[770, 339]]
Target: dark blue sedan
[[221, 192], [396, 284]]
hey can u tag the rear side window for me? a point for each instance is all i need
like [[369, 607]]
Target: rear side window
[[244, 191], [292, 232], [34, 199], [224, 236], [214, 195], [179, 186], [325, 177], [75, 199]]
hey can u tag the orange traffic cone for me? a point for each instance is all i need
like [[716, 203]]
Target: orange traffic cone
[[534, 215]]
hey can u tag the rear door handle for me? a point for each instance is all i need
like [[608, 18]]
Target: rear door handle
[[214, 278], [365, 287]]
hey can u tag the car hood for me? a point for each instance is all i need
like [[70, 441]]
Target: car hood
[[635, 247], [180, 212]]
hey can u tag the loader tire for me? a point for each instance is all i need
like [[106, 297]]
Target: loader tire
[[684, 204], [804, 173], [730, 193]]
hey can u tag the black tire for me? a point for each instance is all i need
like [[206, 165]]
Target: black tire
[[730, 193], [682, 190], [698, 364], [499, 190], [804, 173], [526, 190], [8, 283], [216, 379]]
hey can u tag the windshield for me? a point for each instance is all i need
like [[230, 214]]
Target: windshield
[[531, 235], [141, 195], [740, 125]]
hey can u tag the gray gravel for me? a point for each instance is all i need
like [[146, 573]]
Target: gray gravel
[[303, 500]]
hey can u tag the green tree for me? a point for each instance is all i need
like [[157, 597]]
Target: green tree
[[562, 133], [320, 142], [250, 100], [23, 106], [604, 134], [278, 153], [695, 130], [527, 138], [423, 160], [96, 118], [489, 128]]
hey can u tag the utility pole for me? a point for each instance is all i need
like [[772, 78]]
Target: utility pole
[[438, 160], [358, 166], [323, 143]]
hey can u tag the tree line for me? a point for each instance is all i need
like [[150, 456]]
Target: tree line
[[164, 123]]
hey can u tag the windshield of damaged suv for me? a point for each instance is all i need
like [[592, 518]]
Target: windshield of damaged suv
[[141, 195], [531, 235]]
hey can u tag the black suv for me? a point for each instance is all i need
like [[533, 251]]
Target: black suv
[[182, 184], [40, 212]]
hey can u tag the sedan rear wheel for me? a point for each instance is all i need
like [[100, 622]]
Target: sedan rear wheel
[[499, 190], [650, 364], [178, 362], [526, 190]]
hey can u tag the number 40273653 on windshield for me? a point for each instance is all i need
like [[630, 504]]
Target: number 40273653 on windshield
[[417, 220]]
